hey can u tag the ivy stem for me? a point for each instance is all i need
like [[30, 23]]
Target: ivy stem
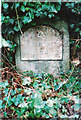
[[18, 21]]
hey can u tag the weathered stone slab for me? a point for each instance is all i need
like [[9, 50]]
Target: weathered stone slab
[[44, 48], [41, 43]]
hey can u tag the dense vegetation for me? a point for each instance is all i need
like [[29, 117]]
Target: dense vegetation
[[30, 95]]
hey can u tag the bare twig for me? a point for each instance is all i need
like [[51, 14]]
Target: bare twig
[[11, 64], [67, 78], [70, 87]]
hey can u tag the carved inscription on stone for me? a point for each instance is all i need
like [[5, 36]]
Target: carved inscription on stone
[[41, 43]]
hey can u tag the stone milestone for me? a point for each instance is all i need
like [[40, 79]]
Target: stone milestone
[[44, 49]]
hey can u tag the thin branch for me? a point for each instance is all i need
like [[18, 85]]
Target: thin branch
[[70, 73], [67, 79], [23, 86], [10, 64], [75, 39], [68, 90]]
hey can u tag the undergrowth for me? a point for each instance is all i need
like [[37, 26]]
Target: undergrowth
[[30, 95]]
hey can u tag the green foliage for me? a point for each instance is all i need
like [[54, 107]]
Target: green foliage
[[25, 12], [37, 99], [5, 5], [16, 15], [3, 43], [75, 9], [1, 101]]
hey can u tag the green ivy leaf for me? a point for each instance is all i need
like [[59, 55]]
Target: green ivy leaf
[[5, 98], [23, 8], [56, 87], [49, 102], [54, 10], [5, 114], [5, 84], [1, 84], [28, 91], [6, 21], [10, 102], [18, 99], [77, 107], [72, 25], [24, 3], [13, 92], [27, 113], [16, 28], [39, 103], [6, 91], [16, 103], [49, 16], [13, 99], [35, 85], [56, 100], [47, 116], [5, 5], [58, 7], [11, 21], [31, 114], [2, 18], [19, 90], [63, 116], [53, 111], [3, 43], [17, 5], [72, 79], [26, 20], [27, 8], [64, 99], [72, 5], [26, 81], [1, 101], [22, 105], [67, 4], [77, 30], [63, 109], [73, 10]]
